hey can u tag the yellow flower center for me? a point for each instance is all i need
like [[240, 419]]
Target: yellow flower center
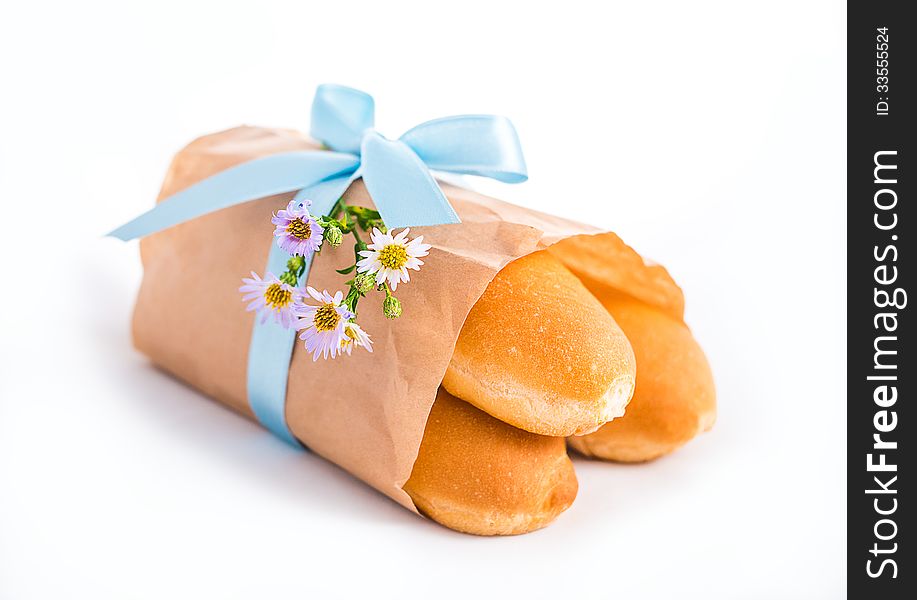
[[350, 337], [276, 297], [393, 256], [299, 229], [326, 317]]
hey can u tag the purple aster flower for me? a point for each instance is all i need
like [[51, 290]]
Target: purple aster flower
[[271, 296], [323, 326], [296, 230]]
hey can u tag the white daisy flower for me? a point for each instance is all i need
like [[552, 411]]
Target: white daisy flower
[[323, 326], [355, 336], [390, 256]]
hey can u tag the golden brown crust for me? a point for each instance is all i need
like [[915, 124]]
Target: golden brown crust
[[539, 352], [605, 262], [674, 399], [479, 475]]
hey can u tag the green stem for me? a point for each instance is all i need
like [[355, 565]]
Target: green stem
[[338, 206], [356, 235]]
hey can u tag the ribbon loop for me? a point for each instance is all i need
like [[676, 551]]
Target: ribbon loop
[[484, 145], [340, 116]]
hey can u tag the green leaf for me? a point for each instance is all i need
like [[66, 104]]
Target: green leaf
[[346, 271]]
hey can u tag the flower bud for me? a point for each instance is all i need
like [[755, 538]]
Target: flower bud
[[295, 264], [364, 282], [334, 236], [289, 278], [391, 307]]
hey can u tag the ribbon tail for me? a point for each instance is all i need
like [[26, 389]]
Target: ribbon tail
[[401, 186], [275, 174], [271, 345]]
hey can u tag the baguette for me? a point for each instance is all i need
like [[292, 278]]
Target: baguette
[[539, 352], [478, 475], [674, 399]]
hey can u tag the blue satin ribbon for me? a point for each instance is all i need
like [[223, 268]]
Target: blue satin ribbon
[[397, 176], [271, 346]]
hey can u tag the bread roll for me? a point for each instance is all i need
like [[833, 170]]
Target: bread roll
[[479, 475], [674, 399], [539, 352]]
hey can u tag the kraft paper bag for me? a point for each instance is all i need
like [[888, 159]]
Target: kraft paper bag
[[365, 412]]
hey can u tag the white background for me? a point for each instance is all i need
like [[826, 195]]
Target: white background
[[710, 135]]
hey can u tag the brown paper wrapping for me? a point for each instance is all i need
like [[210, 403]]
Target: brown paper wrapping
[[366, 412]]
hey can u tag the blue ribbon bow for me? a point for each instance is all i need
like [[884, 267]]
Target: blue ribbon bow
[[396, 172], [397, 176]]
